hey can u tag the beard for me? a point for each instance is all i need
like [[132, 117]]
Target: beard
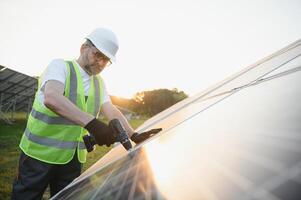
[[93, 69]]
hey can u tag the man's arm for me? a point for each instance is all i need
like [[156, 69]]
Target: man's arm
[[111, 112], [58, 103]]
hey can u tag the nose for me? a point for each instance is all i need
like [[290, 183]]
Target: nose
[[100, 64]]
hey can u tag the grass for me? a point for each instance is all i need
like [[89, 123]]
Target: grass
[[9, 141], [10, 136]]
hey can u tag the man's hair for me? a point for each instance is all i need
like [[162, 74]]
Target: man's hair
[[90, 44]]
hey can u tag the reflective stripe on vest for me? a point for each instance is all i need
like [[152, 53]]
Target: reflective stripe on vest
[[73, 83], [53, 142], [49, 119]]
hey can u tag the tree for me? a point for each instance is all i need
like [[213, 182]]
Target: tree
[[155, 101]]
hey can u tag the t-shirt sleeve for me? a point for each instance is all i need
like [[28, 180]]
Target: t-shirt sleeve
[[56, 70]]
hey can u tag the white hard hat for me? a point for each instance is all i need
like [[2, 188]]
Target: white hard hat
[[105, 41]]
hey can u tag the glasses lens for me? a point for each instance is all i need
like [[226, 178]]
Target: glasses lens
[[109, 62], [98, 55]]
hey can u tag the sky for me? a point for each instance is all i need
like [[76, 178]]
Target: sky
[[188, 45]]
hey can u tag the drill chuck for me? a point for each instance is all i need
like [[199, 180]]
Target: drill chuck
[[120, 133]]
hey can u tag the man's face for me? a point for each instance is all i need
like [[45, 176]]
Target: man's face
[[96, 62]]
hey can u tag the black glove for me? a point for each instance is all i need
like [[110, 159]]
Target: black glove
[[101, 132], [138, 138]]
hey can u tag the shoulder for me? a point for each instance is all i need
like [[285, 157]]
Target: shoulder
[[57, 66], [57, 63], [56, 70]]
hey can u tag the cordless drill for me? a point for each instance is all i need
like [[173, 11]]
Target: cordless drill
[[118, 132]]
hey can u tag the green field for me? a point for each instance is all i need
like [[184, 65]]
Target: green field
[[10, 136]]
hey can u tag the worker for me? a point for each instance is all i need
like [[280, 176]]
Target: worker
[[69, 98]]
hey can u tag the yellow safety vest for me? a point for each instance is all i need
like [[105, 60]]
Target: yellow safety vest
[[51, 138]]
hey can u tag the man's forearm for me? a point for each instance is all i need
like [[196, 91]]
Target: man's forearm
[[111, 112]]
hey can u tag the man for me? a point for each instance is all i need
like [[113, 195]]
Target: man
[[67, 103]]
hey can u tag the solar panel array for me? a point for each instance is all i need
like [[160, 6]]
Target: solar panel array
[[17, 90], [240, 139]]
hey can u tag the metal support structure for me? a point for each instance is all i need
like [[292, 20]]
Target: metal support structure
[[13, 108], [10, 107], [2, 115], [29, 106], [1, 99]]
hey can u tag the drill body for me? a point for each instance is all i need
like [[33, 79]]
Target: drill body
[[118, 132]]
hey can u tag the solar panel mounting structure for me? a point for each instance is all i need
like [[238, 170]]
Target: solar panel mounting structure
[[17, 92]]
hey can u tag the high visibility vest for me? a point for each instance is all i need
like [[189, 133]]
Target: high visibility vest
[[53, 139]]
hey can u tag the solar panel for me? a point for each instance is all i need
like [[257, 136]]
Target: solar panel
[[238, 140], [17, 91]]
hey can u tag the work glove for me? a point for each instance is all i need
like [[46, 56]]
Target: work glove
[[138, 138], [101, 132]]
